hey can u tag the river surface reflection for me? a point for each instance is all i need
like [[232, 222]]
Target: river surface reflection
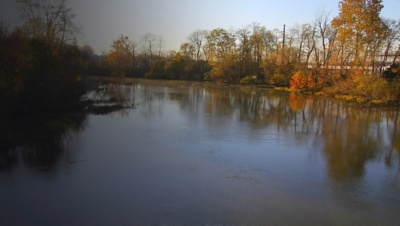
[[196, 154]]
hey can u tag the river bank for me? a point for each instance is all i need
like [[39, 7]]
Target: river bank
[[358, 99]]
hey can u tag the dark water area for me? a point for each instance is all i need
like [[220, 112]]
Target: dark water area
[[197, 154]]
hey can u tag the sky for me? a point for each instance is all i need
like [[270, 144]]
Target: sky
[[103, 21]]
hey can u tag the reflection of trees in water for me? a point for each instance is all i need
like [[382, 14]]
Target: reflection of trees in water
[[350, 143], [355, 136], [38, 144], [111, 97], [41, 142], [151, 98], [351, 135], [394, 134]]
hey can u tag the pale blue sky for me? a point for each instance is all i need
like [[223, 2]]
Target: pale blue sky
[[103, 21]]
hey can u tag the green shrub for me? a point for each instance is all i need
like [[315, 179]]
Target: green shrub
[[249, 80], [279, 80]]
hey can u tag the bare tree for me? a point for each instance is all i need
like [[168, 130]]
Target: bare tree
[[188, 51], [3, 30], [160, 41], [393, 35], [304, 37], [243, 37], [148, 42], [261, 42], [196, 39], [322, 23], [133, 49], [51, 20]]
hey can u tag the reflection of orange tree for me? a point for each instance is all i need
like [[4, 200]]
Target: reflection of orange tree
[[296, 101]]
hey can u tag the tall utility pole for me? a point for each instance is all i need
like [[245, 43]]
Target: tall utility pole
[[284, 29]]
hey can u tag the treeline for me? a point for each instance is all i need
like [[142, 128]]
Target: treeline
[[355, 53], [41, 67], [146, 58]]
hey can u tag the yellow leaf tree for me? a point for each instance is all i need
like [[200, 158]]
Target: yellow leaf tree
[[119, 58], [360, 31]]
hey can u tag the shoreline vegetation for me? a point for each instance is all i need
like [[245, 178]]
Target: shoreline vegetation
[[349, 98], [44, 72]]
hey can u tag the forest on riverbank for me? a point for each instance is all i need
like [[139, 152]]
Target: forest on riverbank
[[353, 56]]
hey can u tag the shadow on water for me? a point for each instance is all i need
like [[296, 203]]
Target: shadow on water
[[39, 141]]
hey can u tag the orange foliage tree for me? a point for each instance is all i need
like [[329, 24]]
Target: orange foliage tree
[[300, 81]]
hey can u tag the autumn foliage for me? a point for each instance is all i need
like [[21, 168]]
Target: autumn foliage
[[120, 56], [36, 77], [301, 81]]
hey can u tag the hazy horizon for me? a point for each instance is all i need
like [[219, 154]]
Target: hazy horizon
[[104, 21]]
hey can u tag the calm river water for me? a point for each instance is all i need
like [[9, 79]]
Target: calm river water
[[197, 154]]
